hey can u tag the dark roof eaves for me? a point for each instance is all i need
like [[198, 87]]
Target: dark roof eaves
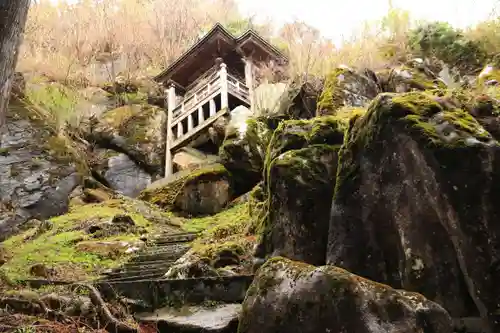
[[216, 28]]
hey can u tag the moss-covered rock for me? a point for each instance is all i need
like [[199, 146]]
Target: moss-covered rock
[[86, 241], [298, 134], [416, 191], [141, 126], [299, 100], [201, 191], [243, 152], [409, 77], [288, 296], [346, 87], [298, 186]]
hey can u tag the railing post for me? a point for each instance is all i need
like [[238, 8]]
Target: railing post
[[249, 80], [224, 97], [171, 100]]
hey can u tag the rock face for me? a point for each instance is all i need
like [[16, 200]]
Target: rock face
[[415, 204], [244, 149], [131, 145], [38, 170], [123, 175], [203, 191], [414, 75], [347, 87], [300, 177], [288, 296]]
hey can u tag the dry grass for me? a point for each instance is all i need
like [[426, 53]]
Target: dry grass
[[94, 41], [75, 42]]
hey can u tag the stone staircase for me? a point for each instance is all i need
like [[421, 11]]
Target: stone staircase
[[154, 260]]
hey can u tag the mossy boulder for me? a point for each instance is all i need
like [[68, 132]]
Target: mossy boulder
[[288, 296], [299, 181], [86, 241], [415, 203], [299, 100], [345, 86], [414, 75], [243, 152], [136, 131], [39, 167], [298, 134], [201, 191]]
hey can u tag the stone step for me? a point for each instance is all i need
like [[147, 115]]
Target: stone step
[[156, 291], [166, 256], [175, 238], [162, 254], [137, 272], [146, 265], [168, 247], [221, 318], [136, 277]]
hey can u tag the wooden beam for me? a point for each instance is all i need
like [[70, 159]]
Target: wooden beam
[[171, 100]]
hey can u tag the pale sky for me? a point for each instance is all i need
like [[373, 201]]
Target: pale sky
[[336, 18]]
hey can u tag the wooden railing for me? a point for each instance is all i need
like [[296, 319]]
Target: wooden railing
[[238, 88], [200, 107], [193, 98]]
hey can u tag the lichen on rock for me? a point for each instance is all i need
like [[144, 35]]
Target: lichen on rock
[[298, 186], [346, 87], [288, 296], [416, 190], [206, 190], [243, 152]]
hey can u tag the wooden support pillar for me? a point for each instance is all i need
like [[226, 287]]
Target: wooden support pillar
[[201, 115], [224, 95], [213, 111], [249, 80], [190, 122], [171, 101]]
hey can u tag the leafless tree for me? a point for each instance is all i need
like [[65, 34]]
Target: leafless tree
[[12, 20]]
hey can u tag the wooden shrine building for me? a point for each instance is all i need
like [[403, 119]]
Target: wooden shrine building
[[213, 77]]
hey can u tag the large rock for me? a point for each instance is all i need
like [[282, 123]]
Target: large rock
[[38, 169], [134, 130], [201, 191], [345, 87], [243, 151], [121, 173], [299, 180], [415, 204], [288, 296], [415, 75]]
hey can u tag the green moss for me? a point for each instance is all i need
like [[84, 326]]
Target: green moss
[[332, 98], [218, 226], [212, 250], [420, 80], [4, 151], [432, 124], [296, 134], [301, 166], [57, 247], [65, 151], [166, 194], [135, 122], [243, 155], [256, 209]]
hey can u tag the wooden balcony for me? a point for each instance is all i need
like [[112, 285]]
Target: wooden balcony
[[203, 105]]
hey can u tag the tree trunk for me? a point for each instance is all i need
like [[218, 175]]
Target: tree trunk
[[13, 15]]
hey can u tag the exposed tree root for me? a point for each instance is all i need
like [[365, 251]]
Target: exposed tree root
[[65, 309]]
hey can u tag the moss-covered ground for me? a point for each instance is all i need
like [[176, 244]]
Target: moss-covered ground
[[73, 253]]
